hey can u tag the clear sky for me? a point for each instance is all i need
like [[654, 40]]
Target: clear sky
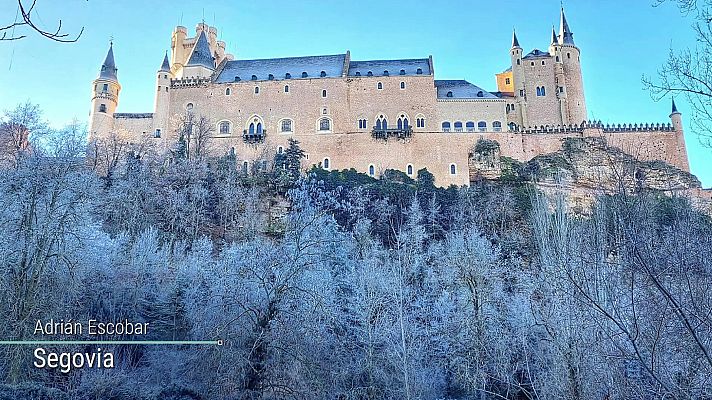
[[620, 40]]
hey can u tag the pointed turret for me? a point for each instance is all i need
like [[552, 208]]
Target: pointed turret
[[515, 41], [554, 38], [565, 34], [674, 107], [201, 54], [108, 68], [166, 66]]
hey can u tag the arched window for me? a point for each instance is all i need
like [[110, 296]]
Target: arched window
[[543, 91], [508, 109], [371, 170], [286, 88], [381, 123], [251, 129], [286, 125], [403, 122], [224, 128], [324, 124], [257, 90], [470, 126], [458, 126], [323, 74], [446, 126], [327, 163], [259, 128], [102, 108], [512, 126], [245, 167], [453, 169], [304, 74], [280, 150], [323, 93], [189, 107], [380, 86], [409, 170], [287, 76], [519, 62], [402, 85], [449, 94], [497, 126], [362, 123], [227, 92], [482, 126], [420, 121], [402, 72]]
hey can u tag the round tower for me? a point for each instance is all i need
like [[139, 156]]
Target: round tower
[[676, 117], [162, 100], [179, 54], [105, 97], [518, 78], [560, 78], [571, 61]]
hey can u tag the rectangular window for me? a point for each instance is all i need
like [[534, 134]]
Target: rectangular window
[[105, 88], [507, 81]]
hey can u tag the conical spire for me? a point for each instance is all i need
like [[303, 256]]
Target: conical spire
[[166, 66], [201, 54], [108, 68], [554, 38], [515, 41], [674, 107], [565, 34]]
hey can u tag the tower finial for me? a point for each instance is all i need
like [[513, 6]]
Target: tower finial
[[515, 41], [565, 34]]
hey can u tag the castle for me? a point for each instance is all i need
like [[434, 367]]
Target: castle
[[370, 115]]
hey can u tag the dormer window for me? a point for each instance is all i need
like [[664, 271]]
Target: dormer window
[[237, 79], [402, 72], [480, 94], [304, 74], [370, 73], [270, 77], [419, 71], [287, 76], [254, 77], [323, 74], [358, 73], [385, 73], [449, 94]]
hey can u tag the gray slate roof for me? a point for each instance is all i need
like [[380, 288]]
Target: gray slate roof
[[166, 66], [461, 89], [332, 65], [108, 68], [201, 54], [536, 53], [394, 67], [565, 34]]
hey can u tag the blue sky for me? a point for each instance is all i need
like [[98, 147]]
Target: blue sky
[[619, 40]]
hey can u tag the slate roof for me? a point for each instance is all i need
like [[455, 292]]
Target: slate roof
[[394, 67], [565, 34], [461, 89], [332, 65], [108, 68], [201, 54], [536, 53], [166, 66]]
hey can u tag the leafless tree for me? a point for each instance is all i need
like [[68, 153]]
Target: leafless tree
[[24, 21], [688, 72]]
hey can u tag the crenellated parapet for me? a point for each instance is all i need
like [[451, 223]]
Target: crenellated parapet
[[190, 82], [608, 128]]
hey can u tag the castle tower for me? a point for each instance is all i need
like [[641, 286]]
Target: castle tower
[[570, 57], [676, 117], [201, 62], [105, 97], [162, 100], [555, 49], [519, 81], [681, 160], [178, 56]]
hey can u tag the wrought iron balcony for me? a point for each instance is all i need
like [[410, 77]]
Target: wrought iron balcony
[[254, 137], [400, 133]]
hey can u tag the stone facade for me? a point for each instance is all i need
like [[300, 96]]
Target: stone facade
[[370, 115]]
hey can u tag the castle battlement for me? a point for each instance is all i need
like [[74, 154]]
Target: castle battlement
[[371, 115]]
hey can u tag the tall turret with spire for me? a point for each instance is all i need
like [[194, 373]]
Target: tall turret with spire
[[105, 96], [162, 101], [572, 89], [518, 78]]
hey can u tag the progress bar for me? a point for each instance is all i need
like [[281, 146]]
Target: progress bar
[[110, 342]]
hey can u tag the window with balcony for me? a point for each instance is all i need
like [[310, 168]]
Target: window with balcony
[[482, 126], [381, 123], [403, 123], [458, 126], [446, 126], [497, 126], [470, 126]]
